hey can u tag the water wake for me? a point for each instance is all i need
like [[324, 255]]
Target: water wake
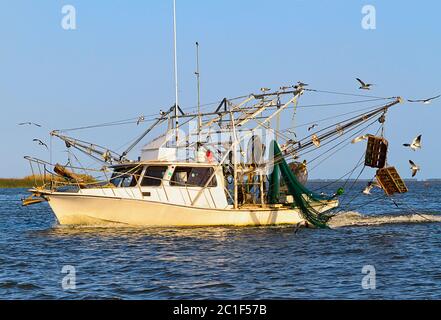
[[347, 219]]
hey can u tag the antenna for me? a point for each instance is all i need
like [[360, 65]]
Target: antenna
[[176, 72], [198, 76]]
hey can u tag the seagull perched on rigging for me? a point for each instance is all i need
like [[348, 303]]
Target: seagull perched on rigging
[[370, 186], [316, 141], [339, 129], [41, 143], [291, 132], [416, 143], [364, 85], [300, 85], [107, 156], [382, 119], [415, 168], [361, 138], [425, 101], [312, 127], [30, 124], [140, 119]]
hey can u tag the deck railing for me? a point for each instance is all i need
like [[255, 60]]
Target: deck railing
[[46, 178]]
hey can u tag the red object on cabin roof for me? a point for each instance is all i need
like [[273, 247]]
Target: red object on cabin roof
[[210, 156]]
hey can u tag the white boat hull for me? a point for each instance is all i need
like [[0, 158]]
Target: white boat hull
[[76, 209]]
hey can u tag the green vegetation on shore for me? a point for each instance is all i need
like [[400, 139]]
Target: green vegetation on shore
[[26, 182], [35, 180]]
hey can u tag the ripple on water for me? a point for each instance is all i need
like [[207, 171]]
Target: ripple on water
[[221, 263]]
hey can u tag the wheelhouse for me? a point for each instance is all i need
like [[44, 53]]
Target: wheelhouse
[[158, 175], [189, 184]]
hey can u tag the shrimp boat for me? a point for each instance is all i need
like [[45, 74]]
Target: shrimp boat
[[231, 166], [228, 169]]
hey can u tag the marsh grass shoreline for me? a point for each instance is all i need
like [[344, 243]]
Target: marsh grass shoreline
[[35, 180], [17, 183]]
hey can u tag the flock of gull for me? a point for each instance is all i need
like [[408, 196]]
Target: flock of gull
[[415, 145]]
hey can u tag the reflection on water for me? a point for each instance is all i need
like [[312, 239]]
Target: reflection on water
[[226, 263], [133, 233]]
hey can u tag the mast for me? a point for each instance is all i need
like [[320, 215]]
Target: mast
[[176, 72], [198, 76], [235, 167]]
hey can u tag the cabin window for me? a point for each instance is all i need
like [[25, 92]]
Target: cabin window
[[153, 176], [136, 177], [116, 179], [127, 177], [193, 177]]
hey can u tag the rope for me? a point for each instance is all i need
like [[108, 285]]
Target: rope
[[205, 106], [409, 208], [356, 196], [340, 143], [362, 204], [330, 118], [105, 125], [360, 162], [337, 180], [348, 94], [331, 141], [340, 103]]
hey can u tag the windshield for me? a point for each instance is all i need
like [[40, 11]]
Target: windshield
[[126, 177]]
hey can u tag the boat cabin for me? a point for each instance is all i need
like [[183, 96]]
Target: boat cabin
[[187, 184]]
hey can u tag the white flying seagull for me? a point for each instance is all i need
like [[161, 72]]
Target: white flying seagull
[[265, 89], [370, 186], [364, 85], [415, 168], [30, 124], [425, 101], [41, 143], [415, 145]]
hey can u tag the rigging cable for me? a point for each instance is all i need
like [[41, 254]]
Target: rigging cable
[[339, 144], [348, 94], [356, 180], [409, 208]]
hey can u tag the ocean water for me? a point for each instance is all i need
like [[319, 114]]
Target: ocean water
[[402, 243]]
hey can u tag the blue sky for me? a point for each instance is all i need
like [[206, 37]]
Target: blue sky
[[118, 65]]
